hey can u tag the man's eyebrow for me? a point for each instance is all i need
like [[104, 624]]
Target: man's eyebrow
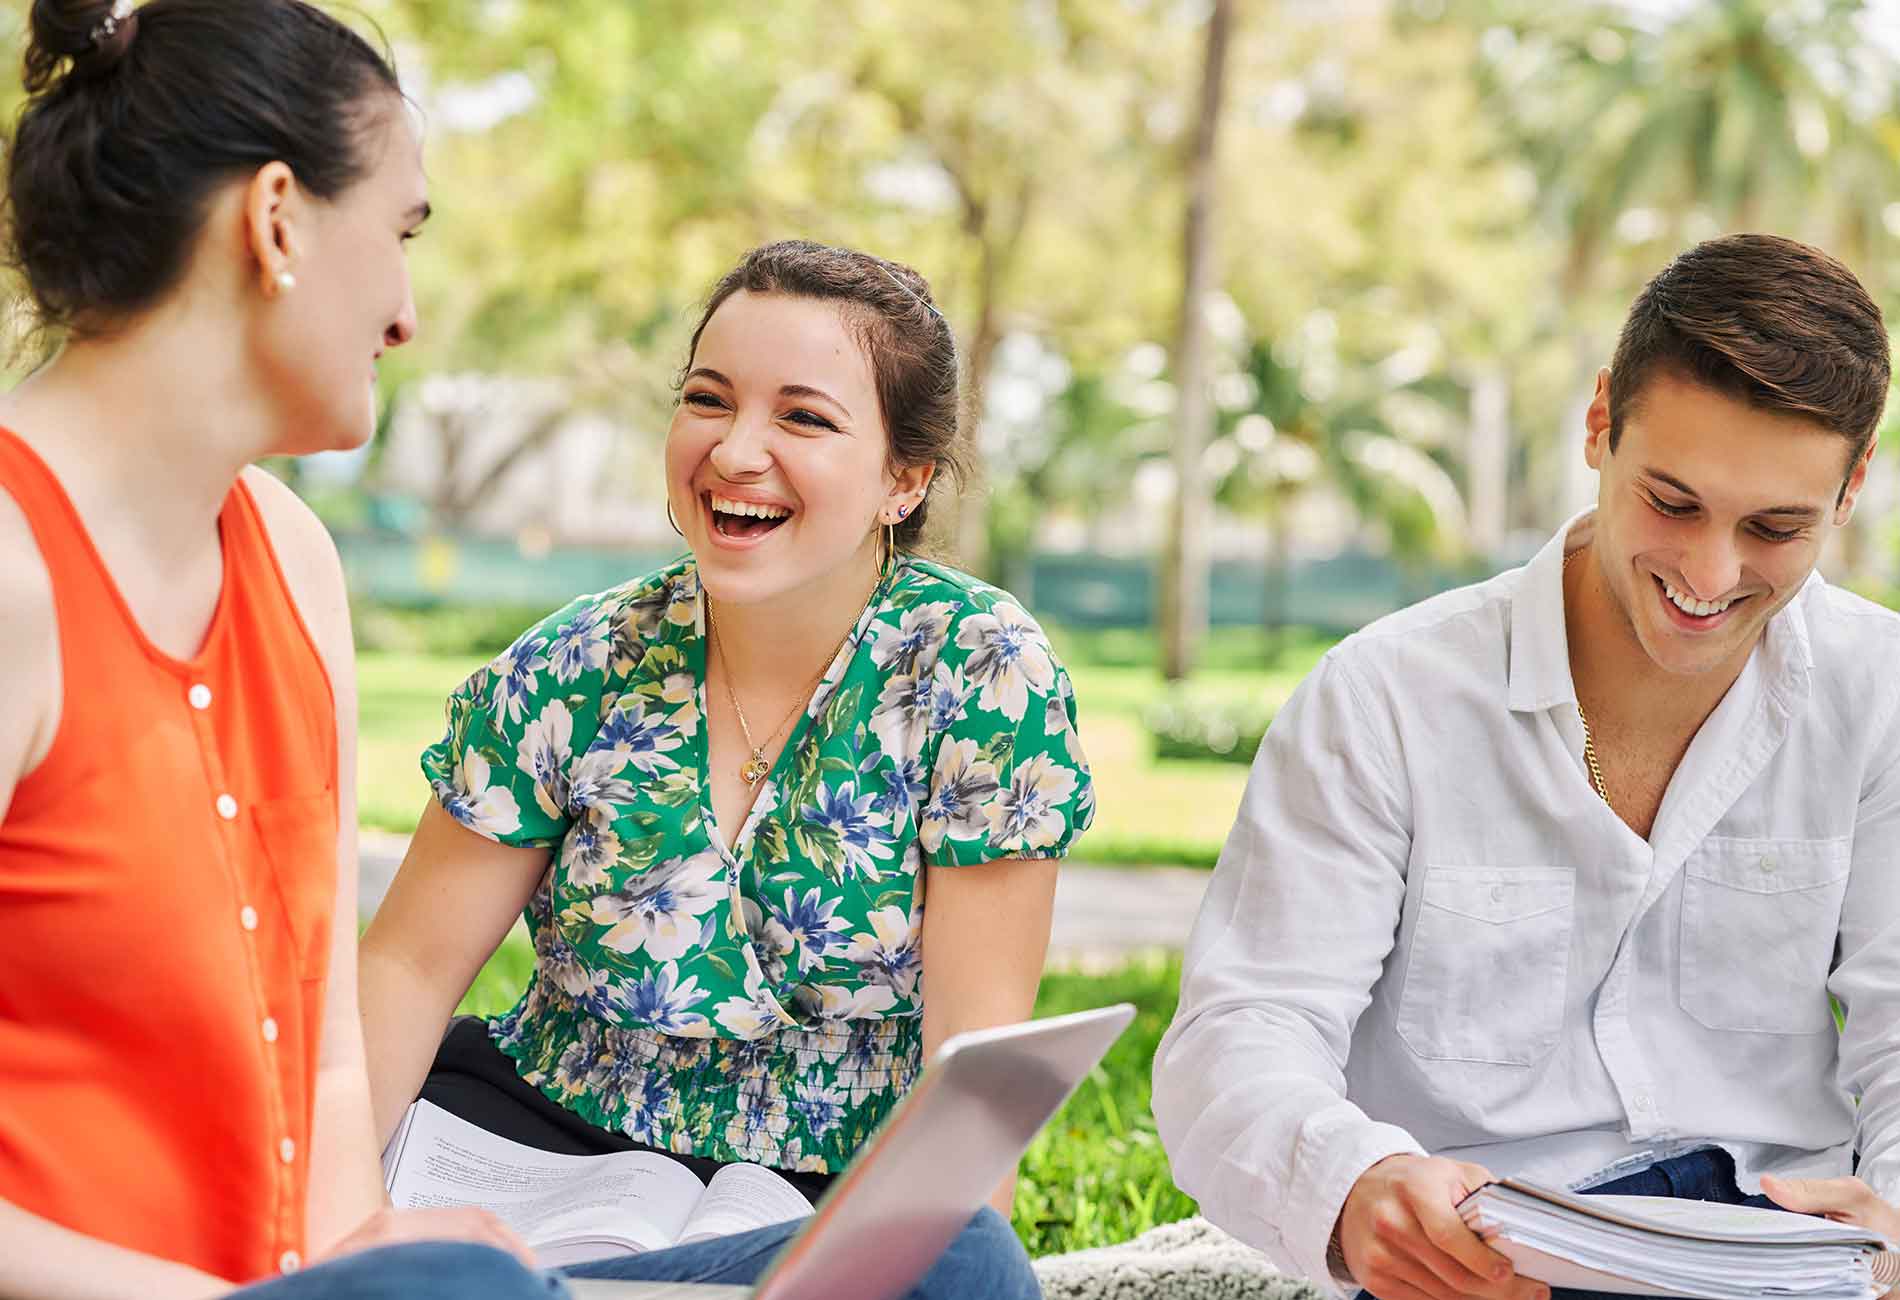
[[1804, 514], [1671, 480], [1799, 514], [806, 390]]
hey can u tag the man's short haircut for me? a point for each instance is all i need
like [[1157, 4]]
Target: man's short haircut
[[1770, 322]]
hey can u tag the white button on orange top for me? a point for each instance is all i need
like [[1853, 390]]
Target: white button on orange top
[[227, 807], [200, 696], [269, 1028], [287, 1150], [248, 918], [290, 1261]]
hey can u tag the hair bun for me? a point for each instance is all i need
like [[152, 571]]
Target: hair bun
[[93, 34]]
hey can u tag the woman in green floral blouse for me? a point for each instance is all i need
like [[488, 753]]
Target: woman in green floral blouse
[[756, 803]]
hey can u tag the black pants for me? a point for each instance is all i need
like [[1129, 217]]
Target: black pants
[[476, 1081]]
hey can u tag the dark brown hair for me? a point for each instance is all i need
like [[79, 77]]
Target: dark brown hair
[[132, 123], [912, 351], [1770, 322]]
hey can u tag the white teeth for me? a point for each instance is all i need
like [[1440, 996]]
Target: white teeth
[[1700, 608], [727, 506]]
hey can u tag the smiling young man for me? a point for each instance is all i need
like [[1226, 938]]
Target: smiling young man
[[1555, 875]]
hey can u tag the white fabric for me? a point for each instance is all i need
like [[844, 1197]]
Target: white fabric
[[1189, 1260], [1427, 932]]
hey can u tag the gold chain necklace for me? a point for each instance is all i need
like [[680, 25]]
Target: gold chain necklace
[[757, 766], [1589, 742]]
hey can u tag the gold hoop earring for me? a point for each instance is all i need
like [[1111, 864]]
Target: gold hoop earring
[[672, 521], [890, 537]]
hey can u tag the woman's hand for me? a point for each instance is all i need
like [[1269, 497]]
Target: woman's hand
[[1844, 1200], [392, 1227]]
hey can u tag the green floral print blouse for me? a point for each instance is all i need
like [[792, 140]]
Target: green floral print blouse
[[760, 1002]]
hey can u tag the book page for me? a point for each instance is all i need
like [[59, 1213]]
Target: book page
[[1716, 1221], [1688, 1219], [625, 1201], [743, 1197]]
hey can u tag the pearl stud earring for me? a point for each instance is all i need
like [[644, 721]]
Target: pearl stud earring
[[285, 282]]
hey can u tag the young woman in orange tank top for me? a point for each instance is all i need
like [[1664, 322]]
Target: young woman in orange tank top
[[209, 201]]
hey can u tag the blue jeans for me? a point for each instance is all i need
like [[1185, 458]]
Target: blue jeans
[[985, 1260], [1699, 1176], [423, 1270]]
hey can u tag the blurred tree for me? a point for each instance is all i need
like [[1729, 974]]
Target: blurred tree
[[14, 324], [1386, 264], [1184, 562], [1652, 127], [595, 168], [1003, 140], [621, 157], [1649, 126]]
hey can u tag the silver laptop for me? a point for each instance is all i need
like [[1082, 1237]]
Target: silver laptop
[[929, 1167]]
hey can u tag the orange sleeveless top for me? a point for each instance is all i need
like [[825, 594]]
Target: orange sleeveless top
[[167, 878]]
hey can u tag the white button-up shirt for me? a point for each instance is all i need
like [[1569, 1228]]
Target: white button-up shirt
[[1428, 934]]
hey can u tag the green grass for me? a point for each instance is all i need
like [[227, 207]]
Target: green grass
[[399, 714], [1174, 812], [1097, 1174]]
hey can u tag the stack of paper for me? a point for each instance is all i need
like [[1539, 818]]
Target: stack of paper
[[1656, 1246]]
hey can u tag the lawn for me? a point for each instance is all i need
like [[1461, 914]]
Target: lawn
[[1149, 811]]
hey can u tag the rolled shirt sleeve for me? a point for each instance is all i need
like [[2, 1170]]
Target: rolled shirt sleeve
[[1302, 911]]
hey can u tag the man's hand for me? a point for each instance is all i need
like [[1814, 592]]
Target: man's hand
[[391, 1227], [1403, 1240], [1845, 1200]]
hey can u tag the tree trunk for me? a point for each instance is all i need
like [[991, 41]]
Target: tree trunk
[[1185, 566], [970, 529], [1488, 459], [466, 500], [997, 239], [1576, 481]]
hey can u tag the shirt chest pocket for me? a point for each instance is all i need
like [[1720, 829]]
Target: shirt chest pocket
[[1759, 922], [1489, 960]]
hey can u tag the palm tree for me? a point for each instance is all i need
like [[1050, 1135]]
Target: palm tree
[[1725, 115], [1752, 113]]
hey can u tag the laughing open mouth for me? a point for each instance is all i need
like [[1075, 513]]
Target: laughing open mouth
[[744, 520]]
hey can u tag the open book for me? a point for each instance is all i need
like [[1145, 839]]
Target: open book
[[576, 1208], [1658, 1246]]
